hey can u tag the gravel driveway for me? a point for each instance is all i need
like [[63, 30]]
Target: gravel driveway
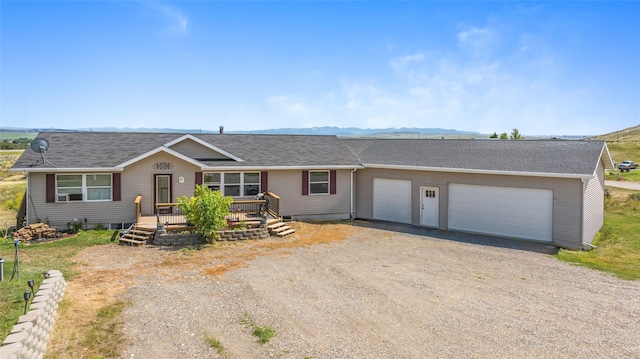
[[400, 293]]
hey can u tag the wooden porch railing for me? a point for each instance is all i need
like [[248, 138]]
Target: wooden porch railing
[[240, 210], [138, 203], [274, 204]]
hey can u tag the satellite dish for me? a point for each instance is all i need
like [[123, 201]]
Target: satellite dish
[[40, 145]]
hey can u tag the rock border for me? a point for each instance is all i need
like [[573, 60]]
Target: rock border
[[28, 338]]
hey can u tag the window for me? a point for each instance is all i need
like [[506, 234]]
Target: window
[[80, 187], [234, 184], [319, 182], [212, 180]]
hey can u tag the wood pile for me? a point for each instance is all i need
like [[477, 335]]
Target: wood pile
[[35, 232]]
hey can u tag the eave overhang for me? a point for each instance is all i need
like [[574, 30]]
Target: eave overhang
[[484, 172]]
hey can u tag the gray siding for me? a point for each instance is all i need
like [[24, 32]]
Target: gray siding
[[567, 223], [59, 214], [195, 150], [288, 185], [593, 205], [138, 179], [135, 179]]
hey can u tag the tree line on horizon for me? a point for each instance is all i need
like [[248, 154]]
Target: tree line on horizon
[[515, 135]]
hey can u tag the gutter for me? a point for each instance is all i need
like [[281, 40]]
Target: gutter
[[486, 172], [225, 168]]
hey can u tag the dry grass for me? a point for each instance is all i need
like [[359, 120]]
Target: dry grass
[[101, 283]]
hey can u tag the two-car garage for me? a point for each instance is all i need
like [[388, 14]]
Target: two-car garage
[[503, 211], [525, 213]]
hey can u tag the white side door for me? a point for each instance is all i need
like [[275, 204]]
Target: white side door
[[429, 206]]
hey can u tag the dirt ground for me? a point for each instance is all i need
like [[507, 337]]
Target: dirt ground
[[348, 291]]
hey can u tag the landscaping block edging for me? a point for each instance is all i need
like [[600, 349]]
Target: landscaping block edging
[[28, 338], [191, 239]]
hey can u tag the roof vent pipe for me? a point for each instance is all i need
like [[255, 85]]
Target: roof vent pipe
[[221, 129]]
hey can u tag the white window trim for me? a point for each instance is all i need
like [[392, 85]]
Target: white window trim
[[328, 182], [84, 188], [222, 184]]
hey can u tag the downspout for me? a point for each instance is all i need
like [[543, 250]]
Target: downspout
[[26, 194], [585, 245], [352, 199]]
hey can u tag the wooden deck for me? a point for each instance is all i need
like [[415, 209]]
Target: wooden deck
[[178, 223]]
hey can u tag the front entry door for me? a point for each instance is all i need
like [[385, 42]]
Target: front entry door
[[163, 189], [429, 206]]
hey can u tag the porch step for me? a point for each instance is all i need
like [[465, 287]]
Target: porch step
[[136, 236], [287, 232], [141, 232], [280, 229]]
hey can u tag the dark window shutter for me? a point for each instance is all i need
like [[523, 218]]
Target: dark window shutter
[[305, 183], [264, 181], [51, 188], [332, 182], [116, 187], [198, 178]]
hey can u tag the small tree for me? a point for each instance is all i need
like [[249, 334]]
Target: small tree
[[495, 135], [206, 210], [504, 136], [515, 135]]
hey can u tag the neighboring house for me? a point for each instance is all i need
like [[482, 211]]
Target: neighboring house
[[549, 191]]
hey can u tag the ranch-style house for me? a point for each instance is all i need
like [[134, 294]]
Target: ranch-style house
[[549, 190]]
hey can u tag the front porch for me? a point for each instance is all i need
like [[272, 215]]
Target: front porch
[[246, 212]]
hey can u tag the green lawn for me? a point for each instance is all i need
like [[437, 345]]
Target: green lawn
[[33, 260], [633, 176], [618, 242]]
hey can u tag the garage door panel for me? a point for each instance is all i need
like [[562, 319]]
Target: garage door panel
[[504, 211], [392, 200]]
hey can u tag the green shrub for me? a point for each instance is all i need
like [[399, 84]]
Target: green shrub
[[206, 210]]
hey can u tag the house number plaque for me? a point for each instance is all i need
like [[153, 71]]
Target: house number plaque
[[162, 166]]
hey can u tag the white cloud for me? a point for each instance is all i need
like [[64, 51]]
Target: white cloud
[[179, 22], [289, 105], [399, 64], [477, 41]]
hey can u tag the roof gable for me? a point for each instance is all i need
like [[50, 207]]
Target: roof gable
[[158, 150], [200, 150]]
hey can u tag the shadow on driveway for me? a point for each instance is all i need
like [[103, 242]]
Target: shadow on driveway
[[471, 238]]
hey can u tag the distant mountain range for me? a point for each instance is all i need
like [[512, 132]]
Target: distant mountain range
[[326, 130]]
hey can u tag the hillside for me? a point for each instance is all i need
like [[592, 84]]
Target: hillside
[[631, 134]]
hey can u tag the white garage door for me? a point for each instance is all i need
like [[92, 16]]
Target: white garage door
[[504, 211], [392, 200]]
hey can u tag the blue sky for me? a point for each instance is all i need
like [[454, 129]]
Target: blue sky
[[546, 68]]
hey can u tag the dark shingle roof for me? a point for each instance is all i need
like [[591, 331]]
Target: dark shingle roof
[[553, 156], [77, 150], [110, 149]]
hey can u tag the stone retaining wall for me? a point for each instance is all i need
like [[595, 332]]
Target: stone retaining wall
[[241, 234], [28, 338], [192, 239]]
